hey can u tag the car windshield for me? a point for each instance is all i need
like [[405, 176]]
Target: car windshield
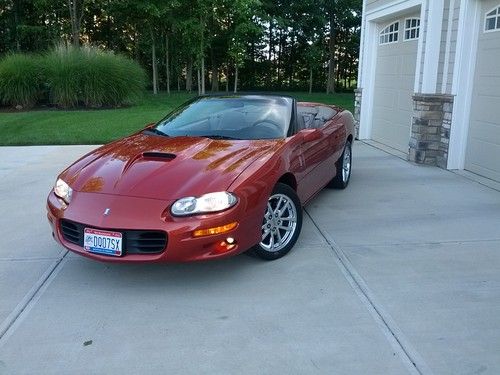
[[230, 117]]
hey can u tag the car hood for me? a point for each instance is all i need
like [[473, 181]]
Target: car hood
[[165, 168]]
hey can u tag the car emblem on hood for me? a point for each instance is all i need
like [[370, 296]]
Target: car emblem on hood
[[107, 211]]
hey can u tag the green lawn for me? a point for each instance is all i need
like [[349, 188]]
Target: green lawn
[[49, 127]]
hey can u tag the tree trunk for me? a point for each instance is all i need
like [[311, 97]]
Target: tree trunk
[[202, 54], [189, 75], [227, 78], [167, 63], [291, 65], [203, 75], [136, 42], [153, 63], [235, 78], [330, 85], [199, 83], [270, 40], [75, 14], [278, 63], [16, 22], [215, 72], [252, 58], [215, 78], [338, 74], [310, 80], [178, 83]]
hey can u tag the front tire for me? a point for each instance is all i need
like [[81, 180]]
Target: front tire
[[281, 224], [343, 166]]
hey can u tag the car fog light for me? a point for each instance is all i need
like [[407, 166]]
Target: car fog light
[[225, 246]]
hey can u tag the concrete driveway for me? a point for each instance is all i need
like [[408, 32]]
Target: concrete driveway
[[397, 274]]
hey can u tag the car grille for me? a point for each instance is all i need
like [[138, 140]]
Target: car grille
[[134, 241]]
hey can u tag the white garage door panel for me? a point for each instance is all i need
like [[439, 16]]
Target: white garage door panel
[[482, 162], [487, 132], [404, 101], [394, 82], [390, 100], [483, 144], [485, 113], [490, 86]]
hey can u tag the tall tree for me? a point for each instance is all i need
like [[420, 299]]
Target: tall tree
[[255, 44], [339, 12], [76, 10]]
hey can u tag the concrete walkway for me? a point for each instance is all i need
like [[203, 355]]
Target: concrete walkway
[[397, 274]]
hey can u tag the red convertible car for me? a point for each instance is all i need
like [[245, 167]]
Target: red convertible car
[[218, 176]]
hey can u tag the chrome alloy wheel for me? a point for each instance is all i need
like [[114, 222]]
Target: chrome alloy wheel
[[346, 164], [279, 224]]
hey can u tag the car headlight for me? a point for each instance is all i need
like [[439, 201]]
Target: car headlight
[[63, 191], [212, 202]]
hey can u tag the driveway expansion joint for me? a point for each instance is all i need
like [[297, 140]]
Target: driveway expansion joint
[[410, 357], [30, 298]]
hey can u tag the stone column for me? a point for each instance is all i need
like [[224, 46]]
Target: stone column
[[430, 130], [358, 93]]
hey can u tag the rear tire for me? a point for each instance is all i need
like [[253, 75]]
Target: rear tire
[[281, 224], [343, 166]]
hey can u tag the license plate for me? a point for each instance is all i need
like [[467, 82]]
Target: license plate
[[102, 242]]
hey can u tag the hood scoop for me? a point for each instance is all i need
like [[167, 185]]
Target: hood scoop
[[158, 156]]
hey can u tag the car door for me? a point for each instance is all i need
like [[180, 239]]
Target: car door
[[335, 131], [322, 151]]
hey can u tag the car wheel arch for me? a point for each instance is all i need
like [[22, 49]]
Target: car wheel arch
[[288, 179]]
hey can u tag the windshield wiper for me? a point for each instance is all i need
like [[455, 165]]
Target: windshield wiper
[[156, 131], [217, 136]]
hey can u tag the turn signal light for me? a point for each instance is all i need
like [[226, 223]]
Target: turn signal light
[[215, 230]]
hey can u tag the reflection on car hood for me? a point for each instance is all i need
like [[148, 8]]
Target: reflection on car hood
[[165, 168]]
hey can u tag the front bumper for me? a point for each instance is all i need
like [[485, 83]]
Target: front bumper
[[131, 213]]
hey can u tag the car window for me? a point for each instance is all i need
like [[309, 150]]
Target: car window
[[238, 117], [315, 116]]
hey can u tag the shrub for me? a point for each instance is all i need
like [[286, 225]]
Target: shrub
[[91, 77], [62, 67], [20, 80], [110, 80]]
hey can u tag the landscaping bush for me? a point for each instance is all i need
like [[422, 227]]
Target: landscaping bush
[[62, 67], [91, 77], [20, 80], [71, 77], [109, 79]]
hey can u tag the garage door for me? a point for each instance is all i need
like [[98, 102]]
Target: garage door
[[394, 84], [483, 144]]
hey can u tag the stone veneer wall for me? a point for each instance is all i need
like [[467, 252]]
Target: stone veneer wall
[[358, 93], [430, 130]]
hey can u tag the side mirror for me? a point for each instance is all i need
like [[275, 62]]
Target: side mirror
[[311, 135]]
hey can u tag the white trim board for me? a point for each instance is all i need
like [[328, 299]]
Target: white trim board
[[394, 7], [361, 47], [423, 34], [463, 81], [432, 46]]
